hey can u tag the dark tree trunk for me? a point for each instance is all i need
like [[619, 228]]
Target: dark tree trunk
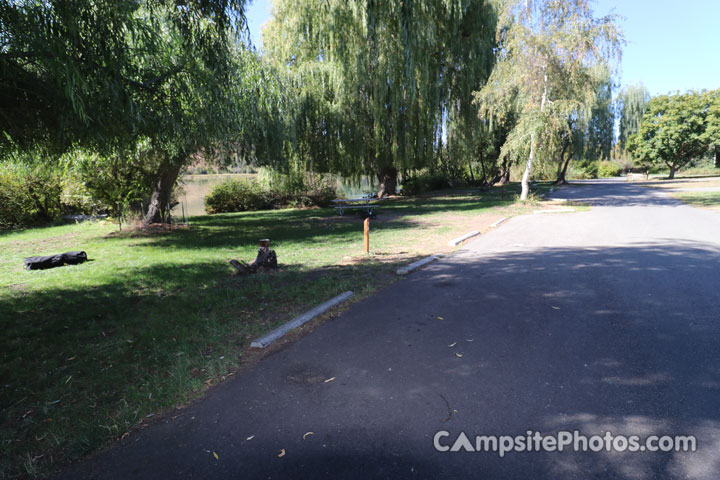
[[158, 209], [672, 172], [504, 173], [387, 179], [483, 180], [559, 170], [561, 180], [717, 157]]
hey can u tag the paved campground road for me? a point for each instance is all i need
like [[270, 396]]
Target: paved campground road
[[602, 320]]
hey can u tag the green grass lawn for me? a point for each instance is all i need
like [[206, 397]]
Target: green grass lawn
[[699, 199], [90, 352]]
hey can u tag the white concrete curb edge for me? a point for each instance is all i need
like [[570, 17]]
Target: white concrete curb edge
[[458, 240], [499, 222], [555, 210], [416, 265], [280, 331]]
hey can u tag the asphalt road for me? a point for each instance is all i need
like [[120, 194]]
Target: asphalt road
[[603, 320]]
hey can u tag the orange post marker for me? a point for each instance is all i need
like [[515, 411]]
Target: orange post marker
[[367, 235]]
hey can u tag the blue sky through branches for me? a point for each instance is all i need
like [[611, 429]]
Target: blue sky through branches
[[672, 44]]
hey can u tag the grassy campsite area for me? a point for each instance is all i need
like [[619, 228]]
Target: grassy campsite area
[[93, 351]]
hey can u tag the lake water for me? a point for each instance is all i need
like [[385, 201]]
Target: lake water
[[196, 187]]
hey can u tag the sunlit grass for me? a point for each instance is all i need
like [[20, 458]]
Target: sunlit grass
[[700, 199]]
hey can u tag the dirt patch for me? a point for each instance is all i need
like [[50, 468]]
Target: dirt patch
[[374, 257], [151, 230], [39, 244]]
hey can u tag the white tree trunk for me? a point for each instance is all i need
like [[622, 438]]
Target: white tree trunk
[[528, 166], [526, 174]]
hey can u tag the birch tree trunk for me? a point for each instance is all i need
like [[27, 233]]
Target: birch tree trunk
[[528, 165]]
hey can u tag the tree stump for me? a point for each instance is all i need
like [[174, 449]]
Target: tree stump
[[266, 260]]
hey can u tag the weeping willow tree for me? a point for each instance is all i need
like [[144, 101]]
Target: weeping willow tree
[[109, 76], [631, 105], [547, 69], [470, 140], [375, 81], [598, 144]]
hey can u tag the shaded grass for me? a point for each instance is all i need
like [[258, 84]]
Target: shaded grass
[[92, 351]]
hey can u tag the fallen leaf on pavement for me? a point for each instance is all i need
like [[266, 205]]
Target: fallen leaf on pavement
[[459, 355], [556, 308], [250, 437], [452, 344], [329, 379], [282, 453], [216, 456], [308, 434], [441, 318]]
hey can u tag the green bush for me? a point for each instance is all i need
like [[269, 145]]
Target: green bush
[[424, 182], [77, 200], [249, 195], [608, 169], [28, 195]]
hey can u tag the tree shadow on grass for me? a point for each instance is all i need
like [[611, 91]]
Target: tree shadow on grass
[[82, 365]]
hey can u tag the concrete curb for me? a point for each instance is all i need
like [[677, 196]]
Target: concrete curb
[[555, 210], [416, 265], [458, 240], [499, 222], [270, 337]]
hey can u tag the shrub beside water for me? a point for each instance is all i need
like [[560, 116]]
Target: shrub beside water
[[608, 169], [250, 195], [424, 182], [28, 195], [38, 194]]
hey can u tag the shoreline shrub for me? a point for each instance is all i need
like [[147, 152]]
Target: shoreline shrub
[[249, 195]]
